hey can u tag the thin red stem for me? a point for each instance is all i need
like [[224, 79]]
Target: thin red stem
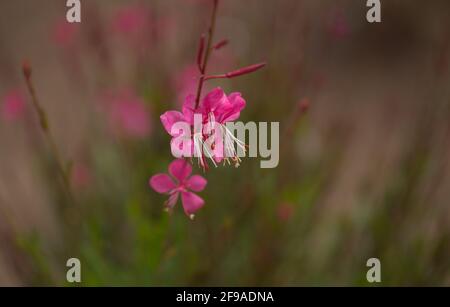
[[201, 49], [207, 52]]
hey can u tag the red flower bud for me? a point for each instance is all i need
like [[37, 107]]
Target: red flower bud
[[220, 44], [239, 72], [303, 105], [245, 70], [26, 69]]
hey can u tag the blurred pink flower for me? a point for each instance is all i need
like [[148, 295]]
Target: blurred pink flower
[[339, 27], [128, 114], [80, 176], [64, 34], [303, 105], [180, 182], [285, 211], [132, 23], [186, 82], [14, 106]]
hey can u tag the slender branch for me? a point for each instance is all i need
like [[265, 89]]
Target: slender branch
[[207, 52], [45, 127], [201, 49]]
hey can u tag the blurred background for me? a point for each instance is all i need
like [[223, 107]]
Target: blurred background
[[363, 173]]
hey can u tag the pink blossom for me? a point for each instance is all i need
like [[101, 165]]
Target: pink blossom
[[285, 211], [216, 109], [338, 27], [133, 23], [303, 105], [215, 104], [180, 182], [13, 107], [64, 34], [80, 175], [128, 115], [130, 19]]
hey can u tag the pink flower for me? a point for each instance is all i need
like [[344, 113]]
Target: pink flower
[[133, 23], [338, 28], [64, 34], [303, 105], [180, 182], [216, 104], [285, 211], [13, 107], [216, 109], [128, 115], [225, 109], [80, 175], [130, 19]]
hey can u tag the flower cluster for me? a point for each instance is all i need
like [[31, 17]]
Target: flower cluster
[[210, 138], [214, 112]]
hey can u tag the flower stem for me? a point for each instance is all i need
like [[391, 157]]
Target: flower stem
[[43, 122], [204, 65]]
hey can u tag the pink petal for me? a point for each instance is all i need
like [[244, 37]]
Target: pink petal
[[191, 202], [196, 183], [236, 100], [180, 169], [233, 110], [213, 99], [169, 118], [162, 183]]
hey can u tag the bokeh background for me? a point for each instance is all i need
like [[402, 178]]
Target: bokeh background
[[363, 173]]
